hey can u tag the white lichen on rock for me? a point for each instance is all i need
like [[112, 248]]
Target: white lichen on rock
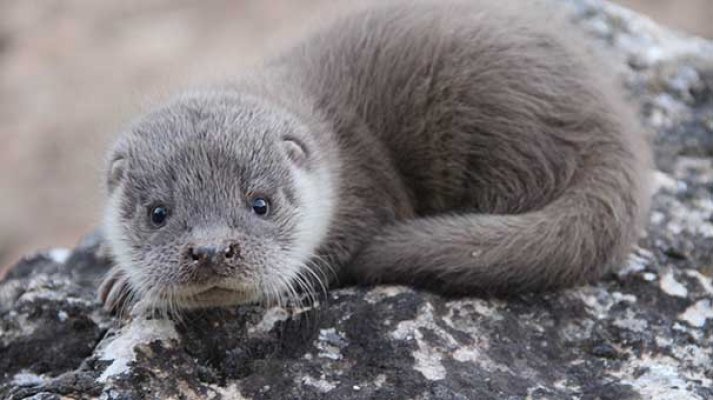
[[427, 355], [671, 286], [120, 348], [697, 314], [59, 255], [271, 317]]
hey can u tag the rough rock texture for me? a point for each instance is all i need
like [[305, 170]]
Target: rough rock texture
[[643, 333]]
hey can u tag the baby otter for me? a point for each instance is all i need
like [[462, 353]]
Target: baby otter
[[464, 147]]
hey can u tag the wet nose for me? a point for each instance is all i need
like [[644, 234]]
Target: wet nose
[[213, 253]]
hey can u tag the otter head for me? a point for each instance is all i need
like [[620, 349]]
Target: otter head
[[216, 199]]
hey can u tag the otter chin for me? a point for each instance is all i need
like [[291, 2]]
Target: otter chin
[[469, 148], [217, 297]]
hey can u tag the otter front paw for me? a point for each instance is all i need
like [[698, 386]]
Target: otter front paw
[[115, 291]]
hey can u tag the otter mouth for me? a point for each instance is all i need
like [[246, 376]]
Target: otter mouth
[[218, 291], [218, 296]]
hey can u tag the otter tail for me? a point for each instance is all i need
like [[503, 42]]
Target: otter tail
[[574, 239]]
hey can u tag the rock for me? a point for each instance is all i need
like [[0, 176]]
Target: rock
[[644, 332]]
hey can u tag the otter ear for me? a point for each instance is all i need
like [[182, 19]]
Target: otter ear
[[295, 151], [117, 170]]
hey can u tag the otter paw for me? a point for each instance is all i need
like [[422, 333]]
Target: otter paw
[[115, 290]]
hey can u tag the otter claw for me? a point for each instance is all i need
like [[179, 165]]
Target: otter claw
[[114, 291]]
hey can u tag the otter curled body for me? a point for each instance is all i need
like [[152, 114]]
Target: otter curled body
[[462, 147]]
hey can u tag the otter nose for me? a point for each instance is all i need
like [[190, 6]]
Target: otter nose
[[213, 253], [202, 253]]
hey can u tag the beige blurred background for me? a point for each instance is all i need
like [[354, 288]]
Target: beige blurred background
[[73, 71]]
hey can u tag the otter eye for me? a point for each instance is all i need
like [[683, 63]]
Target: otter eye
[[260, 205], [159, 215]]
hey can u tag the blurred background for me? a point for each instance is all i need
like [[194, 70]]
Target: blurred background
[[73, 72]]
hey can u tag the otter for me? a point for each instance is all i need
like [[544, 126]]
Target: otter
[[470, 148]]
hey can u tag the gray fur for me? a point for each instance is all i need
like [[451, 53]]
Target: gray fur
[[470, 148]]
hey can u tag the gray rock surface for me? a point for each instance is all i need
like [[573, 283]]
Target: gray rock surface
[[643, 333]]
